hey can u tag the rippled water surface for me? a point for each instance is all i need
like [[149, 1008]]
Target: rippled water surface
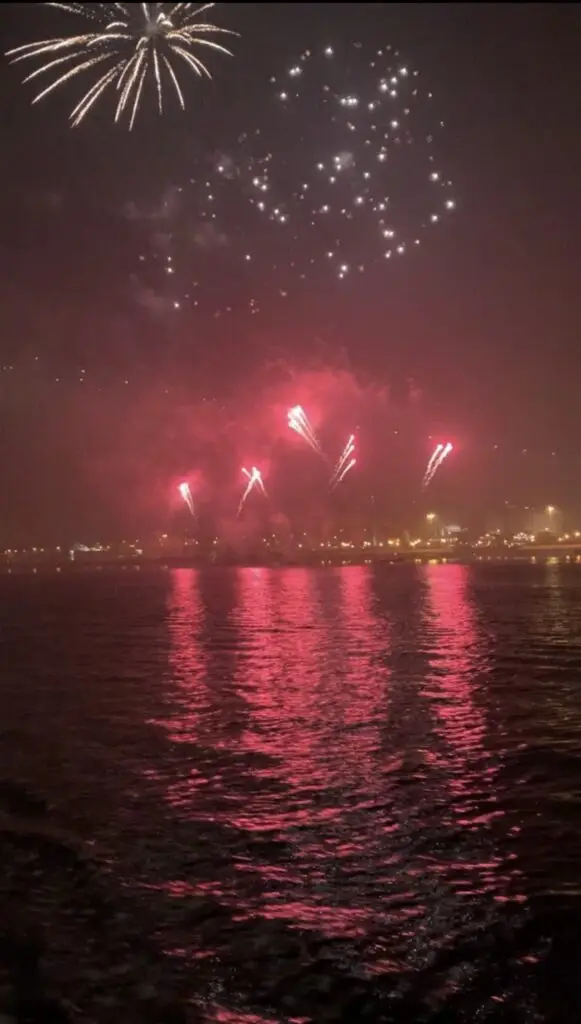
[[346, 794]]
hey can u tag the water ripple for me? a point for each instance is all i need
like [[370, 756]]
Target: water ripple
[[349, 794]]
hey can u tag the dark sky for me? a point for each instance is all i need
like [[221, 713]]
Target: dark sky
[[485, 316]]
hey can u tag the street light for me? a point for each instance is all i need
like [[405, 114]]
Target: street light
[[432, 518]]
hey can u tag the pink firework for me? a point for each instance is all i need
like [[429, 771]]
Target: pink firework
[[438, 456], [345, 463], [299, 422], [254, 478], [186, 495]]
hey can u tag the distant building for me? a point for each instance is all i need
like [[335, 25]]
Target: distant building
[[518, 519], [510, 520], [452, 530], [544, 520]]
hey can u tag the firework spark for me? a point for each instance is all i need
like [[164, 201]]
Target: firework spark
[[341, 469], [357, 181], [438, 456], [186, 495], [442, 457], [299, 422], [129, 45], [431, 463], [345, 470], [254, 478]]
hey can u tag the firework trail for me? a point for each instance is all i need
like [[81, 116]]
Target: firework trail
[[440, 454], [344, 471], [254, 477], [299, 422], [129, 44], [186, 495], [344, 463], [441, 458], [431, 464]]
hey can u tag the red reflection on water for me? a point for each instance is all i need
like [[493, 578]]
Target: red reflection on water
[[340, 922], [460, 665], [284, 688], [219, 1015], [315, 690], [187, 656], [458, 658], [363, 645], [185, 690], [313, 683], [282, 633]]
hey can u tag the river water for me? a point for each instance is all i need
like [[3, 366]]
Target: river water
[[341, 794]]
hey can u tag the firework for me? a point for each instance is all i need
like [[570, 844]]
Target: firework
[[254, 478], [438, 456], [356, 181], [344, 463], [340, 178], [346, 469], [448, 448], [299, 422], [126, 45], [186, 495], [431, 463]]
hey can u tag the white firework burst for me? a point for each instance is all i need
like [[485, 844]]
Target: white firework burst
[[128, 44]]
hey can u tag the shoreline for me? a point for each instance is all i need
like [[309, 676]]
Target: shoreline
[[331, 560]]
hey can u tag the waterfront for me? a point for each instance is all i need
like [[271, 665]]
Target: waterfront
[[349, 794], [316, 558]]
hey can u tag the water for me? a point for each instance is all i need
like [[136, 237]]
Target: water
[[348, 794]]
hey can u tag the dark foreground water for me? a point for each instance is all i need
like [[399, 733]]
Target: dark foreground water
[[349, 795]]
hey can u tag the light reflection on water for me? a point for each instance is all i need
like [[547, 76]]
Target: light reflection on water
[[376, 781], [369, 775]]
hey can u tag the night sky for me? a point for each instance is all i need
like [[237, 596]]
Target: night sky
[[107, 359]]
